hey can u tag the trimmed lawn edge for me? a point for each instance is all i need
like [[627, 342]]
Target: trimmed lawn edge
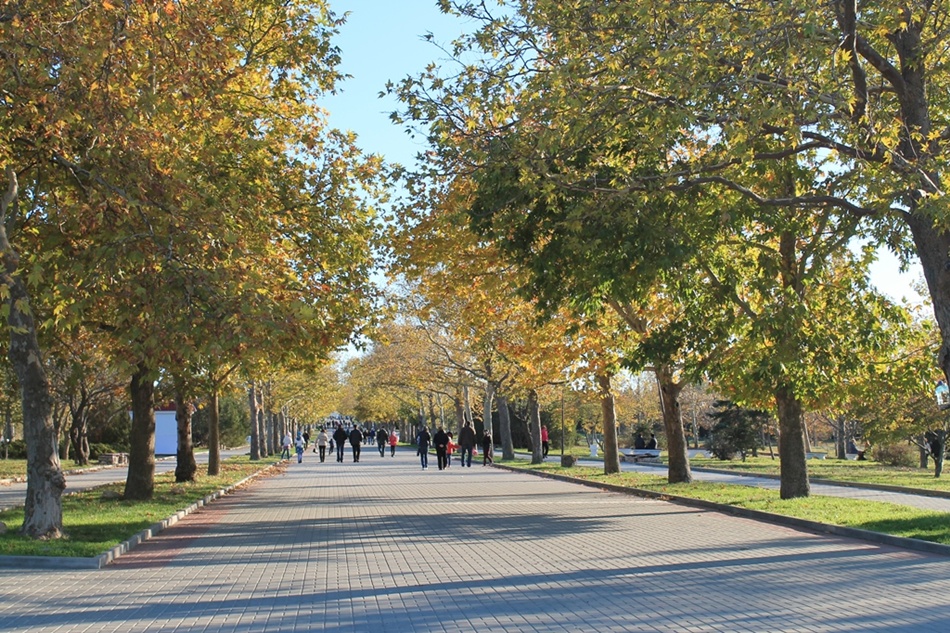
[[103, 559], [877, 538]]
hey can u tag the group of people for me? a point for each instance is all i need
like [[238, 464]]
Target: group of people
[[443, 442], [356, 437], [639, 442], [445, 446]]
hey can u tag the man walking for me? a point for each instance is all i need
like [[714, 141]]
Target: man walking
[[356, 441], [339, 437], [422, 441], [441, 441], [382, 438], [467, 443]]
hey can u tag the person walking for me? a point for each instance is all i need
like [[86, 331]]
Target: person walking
[[544, 441], [382, 438], [299, 447], [466, 443], [422, 441], [488, 448], [339, 438], [322, 440], [287, 443], [393, 440], [356, 441], [441, 441]]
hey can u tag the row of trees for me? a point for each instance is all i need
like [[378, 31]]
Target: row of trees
[[175, 209], [681, 188]]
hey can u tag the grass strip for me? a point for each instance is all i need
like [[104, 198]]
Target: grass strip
[[885, 518], [94, 524]]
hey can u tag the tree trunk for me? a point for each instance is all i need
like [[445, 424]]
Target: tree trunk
[[466, 407], [924, 455], [214, 436], [504, 428], [459, 406], [45, 482], [255, 429], [534, 426], [487, 404], [676, 447], [840, 441], [791, 447], [186, 466], [609, 415], [140, 482]]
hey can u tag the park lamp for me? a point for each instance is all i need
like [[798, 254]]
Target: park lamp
[[942, 394]]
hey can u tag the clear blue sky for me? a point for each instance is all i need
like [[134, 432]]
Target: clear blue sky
[[384, 40]]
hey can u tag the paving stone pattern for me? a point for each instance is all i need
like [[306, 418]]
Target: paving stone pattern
[[384, 546]]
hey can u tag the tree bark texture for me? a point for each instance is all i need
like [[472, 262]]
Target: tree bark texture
[[214, 435], [140, 482], [534, 426], [676, 447], [255, 429], [791, 447], [487, 403], [609, 415], [504, 428], [186, 467], [45, 482]]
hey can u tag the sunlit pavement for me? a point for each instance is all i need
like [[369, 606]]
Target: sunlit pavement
[[384, 546]]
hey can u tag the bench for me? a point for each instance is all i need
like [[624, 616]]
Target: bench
[[815, 455], [697, 452], [640, 454], [114, 459]]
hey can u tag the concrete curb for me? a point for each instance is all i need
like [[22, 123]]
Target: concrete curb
[[758, 515], [100, 561]]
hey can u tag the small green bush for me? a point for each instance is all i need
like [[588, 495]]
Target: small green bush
[[896, 455], [95, 450], [16, 450]]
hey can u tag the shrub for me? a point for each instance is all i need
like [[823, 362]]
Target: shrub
[[95, 450], [16, 450], [896, 455]]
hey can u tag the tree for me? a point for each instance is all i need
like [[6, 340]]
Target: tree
[[736, 430]]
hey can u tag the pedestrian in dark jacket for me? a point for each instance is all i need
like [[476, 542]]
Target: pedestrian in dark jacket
[[466, 443], [382, 438], [356, 441], [422, 441], [339, 438], [441, 441]]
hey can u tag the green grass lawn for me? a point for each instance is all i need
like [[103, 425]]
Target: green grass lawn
[[867, 472], [886, 518], [94, 525]]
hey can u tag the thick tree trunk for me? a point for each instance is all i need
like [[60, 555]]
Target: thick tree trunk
[[45, 482], [504, 428], [791, 447], [676, 447], [186, 466], [214, 436], [140, 482], [534, 426], [609, 415], [255, 429]]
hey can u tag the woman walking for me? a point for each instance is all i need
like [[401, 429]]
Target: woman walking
[[487, 449], [322, 440]]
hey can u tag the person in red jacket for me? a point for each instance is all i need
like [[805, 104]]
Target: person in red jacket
[[393, 440], [544, 441]]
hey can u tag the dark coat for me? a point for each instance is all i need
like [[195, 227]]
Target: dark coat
[[356, 437], [441, 439], [467, 437], [423, 440]]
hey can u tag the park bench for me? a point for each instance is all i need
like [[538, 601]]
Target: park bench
[[815, 455], [114, 459], [640, 454]]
